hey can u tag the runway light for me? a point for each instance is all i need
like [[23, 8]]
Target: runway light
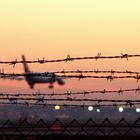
[[57, 107], [121, 109], [98, 110], [90, 108], [138, 110]]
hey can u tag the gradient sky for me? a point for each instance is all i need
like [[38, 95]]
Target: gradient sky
[[55, 28]]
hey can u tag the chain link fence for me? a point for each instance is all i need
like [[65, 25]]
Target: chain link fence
[[27, 131]]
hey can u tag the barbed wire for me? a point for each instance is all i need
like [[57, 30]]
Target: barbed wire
[[69, 58], [127, 103], [80, 76], [112, 72], [69, 93], [68, 99], [110, 77]]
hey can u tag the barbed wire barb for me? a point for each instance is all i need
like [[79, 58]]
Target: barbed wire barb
[[41, 61]]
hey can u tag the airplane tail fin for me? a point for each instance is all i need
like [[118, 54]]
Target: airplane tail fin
[[25, 65]]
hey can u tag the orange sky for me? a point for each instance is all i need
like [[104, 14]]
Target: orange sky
[[55, 28]]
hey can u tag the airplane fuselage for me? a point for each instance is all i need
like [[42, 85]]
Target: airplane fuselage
[[40, 79]]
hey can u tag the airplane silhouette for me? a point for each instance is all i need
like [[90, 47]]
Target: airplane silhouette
[[50, 78]]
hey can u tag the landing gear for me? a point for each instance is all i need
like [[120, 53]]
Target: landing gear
[[31, 86], [51, 86]]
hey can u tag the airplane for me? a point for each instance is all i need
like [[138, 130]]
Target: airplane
[[49, 78]]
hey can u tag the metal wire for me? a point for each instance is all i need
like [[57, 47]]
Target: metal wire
[[80, 76], [112, 72], [99, 56], [84, 105], [44, 100], [69, 93], [106, 128]]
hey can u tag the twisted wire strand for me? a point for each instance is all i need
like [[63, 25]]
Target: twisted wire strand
[[69, 93], [99, 56]]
